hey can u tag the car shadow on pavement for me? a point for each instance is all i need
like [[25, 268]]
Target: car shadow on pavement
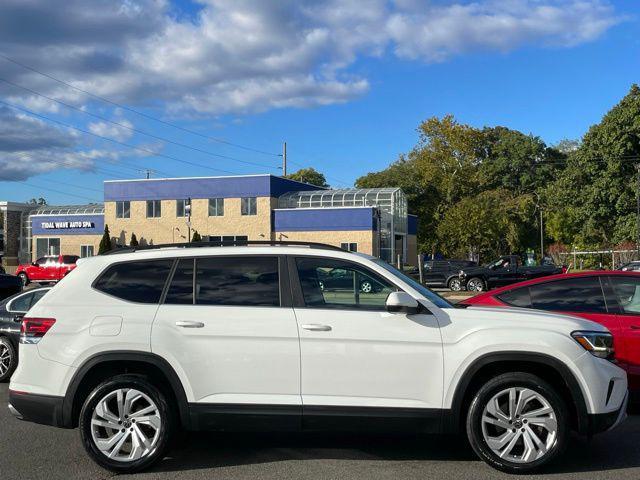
[[194, 451]]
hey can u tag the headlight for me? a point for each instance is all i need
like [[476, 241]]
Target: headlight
[[599, 344], [461, 273]]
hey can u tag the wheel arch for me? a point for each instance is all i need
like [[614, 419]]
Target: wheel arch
[[95, 369], [545, 366]]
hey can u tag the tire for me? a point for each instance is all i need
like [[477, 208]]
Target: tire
[[101, 406], [366, 286], [455, 285], [8, 359], [24, 279], [507, 450], [476, 284]]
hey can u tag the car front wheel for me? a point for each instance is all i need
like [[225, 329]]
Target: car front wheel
[[455, 285], [517, 423], [126, 423]]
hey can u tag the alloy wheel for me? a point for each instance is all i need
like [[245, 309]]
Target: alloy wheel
[[366, 287], [475, 285], [6, 359], [126, 425], [519, 425], [455, 285]]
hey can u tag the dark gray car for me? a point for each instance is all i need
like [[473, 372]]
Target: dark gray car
[[12, 310]]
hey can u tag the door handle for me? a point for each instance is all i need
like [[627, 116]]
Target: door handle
[[635, 327], [188, 324], [315, 327]]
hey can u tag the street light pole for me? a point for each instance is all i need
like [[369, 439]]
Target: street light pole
[[638, 209]]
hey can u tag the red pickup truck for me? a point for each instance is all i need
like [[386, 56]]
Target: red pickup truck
[[51, 268]]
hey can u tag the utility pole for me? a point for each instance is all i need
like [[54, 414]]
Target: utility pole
[[284, 159], [541, 237]]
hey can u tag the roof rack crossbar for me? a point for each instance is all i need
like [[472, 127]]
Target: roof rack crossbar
[[227, 243]]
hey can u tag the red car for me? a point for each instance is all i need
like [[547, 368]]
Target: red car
[[611, 298], [47, 269]]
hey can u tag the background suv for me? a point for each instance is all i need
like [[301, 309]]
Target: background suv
[[132, 346]]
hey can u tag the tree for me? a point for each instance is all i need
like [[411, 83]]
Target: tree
[[595, 195], [134, 240], [105, 243], [196, 237], [38, 201], [309, 175]]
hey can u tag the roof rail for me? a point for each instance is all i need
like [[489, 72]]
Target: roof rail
[[233, 243]]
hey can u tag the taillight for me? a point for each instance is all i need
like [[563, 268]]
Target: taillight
[[33, 329]]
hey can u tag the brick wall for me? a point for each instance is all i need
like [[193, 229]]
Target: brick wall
[[366, 240]]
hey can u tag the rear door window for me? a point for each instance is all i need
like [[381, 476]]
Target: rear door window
[[21, 304], [243, 281], [580, 294], [180, 290], [140, 281]]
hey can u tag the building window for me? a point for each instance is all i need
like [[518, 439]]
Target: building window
[[216, 207], [86, 251], [47, 246], [154, 209], [248, 206], [181, 208], [123, 209], [349, 247]]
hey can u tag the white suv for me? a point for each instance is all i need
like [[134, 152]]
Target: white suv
[[133, 346]]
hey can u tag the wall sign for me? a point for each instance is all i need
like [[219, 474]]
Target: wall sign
[[66, 225]]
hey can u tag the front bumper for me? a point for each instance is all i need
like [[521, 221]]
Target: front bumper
[[43, 409], [604, 422]]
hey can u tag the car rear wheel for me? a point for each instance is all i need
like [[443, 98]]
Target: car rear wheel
[[8, 359], [517, 422], [24, 279], [455, 285], [476, 285], [126, 423]]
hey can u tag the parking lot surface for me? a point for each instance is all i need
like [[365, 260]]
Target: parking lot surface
[[29, 451]]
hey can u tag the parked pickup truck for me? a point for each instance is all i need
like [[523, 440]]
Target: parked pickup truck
[[504, 271], [48, 269]]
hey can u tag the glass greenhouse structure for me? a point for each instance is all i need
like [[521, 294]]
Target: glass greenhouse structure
[[390, 203]]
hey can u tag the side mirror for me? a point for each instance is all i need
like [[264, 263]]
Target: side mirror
[[401, 302]]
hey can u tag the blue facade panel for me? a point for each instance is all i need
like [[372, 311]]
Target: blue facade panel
[[324, 219], [67, 224], [212, 187], [412, 224]]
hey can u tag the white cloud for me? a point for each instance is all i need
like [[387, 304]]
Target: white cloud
[[111, 130], [243, 56]]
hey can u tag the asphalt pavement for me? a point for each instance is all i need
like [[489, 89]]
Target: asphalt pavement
[[29, 451]]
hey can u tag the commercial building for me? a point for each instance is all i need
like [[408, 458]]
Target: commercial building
[[248, 207]]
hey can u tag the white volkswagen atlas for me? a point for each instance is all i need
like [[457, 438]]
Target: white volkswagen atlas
[[131, 347]]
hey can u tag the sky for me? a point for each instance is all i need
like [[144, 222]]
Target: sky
[[108, 89]]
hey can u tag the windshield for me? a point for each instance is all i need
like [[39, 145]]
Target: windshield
[[433, 297]]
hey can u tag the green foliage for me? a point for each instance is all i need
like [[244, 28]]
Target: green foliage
[[196, 237], [134, 240], [596, 193], [309, 175], [105, 243]]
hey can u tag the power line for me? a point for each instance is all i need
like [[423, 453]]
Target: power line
[[137, 112], [136, 130], [58, 191], [141, 149]]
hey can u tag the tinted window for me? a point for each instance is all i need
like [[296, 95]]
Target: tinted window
[[518, 297], [627, 290], [570, 295], [140, 282], [181, 287], [69, 259], [21, 304], [37, 295], [246, 281], [328, 283]]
